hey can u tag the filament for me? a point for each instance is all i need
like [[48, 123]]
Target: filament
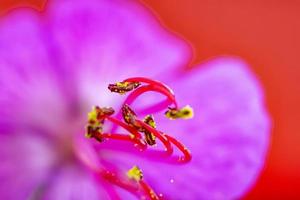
[[135, 127]]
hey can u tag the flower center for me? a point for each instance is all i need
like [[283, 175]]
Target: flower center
[[141, 133]]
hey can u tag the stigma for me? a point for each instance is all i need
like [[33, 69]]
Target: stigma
[[141, 132]]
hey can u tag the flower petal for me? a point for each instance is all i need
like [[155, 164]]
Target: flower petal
[[25, 165], [71, 183], [107, 41], [31, 84], [228, 136], [230, 131]]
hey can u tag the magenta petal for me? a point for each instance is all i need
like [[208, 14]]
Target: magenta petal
[[107, 41], [228, 136], [73, 53], [30, 83], [72, 183], [25, 167]]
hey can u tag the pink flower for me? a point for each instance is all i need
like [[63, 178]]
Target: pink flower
[[56, 65]]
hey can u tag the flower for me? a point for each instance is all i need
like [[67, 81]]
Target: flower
[[56, 65]]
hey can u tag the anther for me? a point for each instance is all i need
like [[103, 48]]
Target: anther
[[95, 122], [183, 113], [149, 137], [94, 132], [135, 173], [104, 112], [129, 117], [149, 119], [123, 87], [136, 127]]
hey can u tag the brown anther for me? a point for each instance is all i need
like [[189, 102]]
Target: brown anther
[[149, 137], [96, 120], [94, 132], [123, 87], [149, 119], [129, 116], [103, 112]]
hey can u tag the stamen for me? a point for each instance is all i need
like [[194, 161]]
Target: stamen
[[135, 173], [183, 113], [149, 137], [159, 135], [148, 190], [134, 136], [130, 129], [94, 132], [148, 88], [129, 116], [135, 127], [123, 87], [149, 81], [149, 119], [104, 112], [187, 156], [113, 178], [96, 120]]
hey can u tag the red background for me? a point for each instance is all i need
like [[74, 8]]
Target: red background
[[266, 34]]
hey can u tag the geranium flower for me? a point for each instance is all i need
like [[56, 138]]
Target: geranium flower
[[55, 66]]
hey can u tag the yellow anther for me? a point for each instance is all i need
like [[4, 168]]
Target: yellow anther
[[123, 87], [97, 115], [150, 121], [184, 113], [122, 84], [92, 116], [95, 122], [135, 173]]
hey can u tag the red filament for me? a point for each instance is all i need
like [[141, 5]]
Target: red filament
[[135, 127]]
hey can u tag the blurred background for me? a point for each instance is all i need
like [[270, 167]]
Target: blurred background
[[267, 35]]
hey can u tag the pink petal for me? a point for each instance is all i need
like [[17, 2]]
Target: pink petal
[[32, 92], [73, 183], [60, 62], [26, 161], [107, 41], [48, 66], [228, 136]]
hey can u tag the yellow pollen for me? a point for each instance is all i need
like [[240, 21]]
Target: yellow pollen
[[123, 87], [122, 84], [150, 121], [184, 113], [92, 116], [135, 173]]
